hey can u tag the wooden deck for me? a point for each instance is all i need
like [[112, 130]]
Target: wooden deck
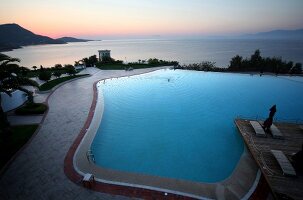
[[260, 149]]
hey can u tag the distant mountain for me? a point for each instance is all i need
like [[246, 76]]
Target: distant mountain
[[277, 34], [13, 36], [71, 39]]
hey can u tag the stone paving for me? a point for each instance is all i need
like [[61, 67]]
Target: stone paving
[[38, 172]]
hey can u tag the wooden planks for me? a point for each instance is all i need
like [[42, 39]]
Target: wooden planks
[[260, 148]]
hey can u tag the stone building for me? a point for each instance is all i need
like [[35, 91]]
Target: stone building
[[104, 55]]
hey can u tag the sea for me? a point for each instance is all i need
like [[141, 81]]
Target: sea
[[185, 51]]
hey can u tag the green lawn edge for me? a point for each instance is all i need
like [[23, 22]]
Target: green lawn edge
[[31, 109], [50, 84], [19, 137]]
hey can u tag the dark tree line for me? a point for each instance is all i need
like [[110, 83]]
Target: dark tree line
[[264, 64], [88, 62], [45, 74], [203, 66], [156, 62]]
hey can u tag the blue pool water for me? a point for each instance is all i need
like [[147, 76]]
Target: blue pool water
[[179, 124]]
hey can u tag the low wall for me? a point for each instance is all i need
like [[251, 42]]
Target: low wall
[[17, 99]]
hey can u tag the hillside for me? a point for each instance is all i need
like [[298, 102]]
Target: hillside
[[277, 34], [13, 36]]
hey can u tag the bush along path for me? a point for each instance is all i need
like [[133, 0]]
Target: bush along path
[[53, 83], [31, 109]]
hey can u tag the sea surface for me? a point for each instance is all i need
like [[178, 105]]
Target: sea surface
[[180, 124], [183, 50]]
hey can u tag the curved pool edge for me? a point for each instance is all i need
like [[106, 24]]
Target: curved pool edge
[[137, 185]]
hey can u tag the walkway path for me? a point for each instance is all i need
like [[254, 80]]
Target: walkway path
[[37, 173]]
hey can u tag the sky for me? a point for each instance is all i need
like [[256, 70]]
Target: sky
[[117, 18]]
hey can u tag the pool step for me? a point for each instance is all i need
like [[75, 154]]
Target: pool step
[[90, 156]]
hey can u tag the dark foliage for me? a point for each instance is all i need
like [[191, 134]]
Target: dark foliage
[[88, 62], [203, 66], [70, 69], [157, 62], [57, 74], [261, 64], [31, 108], [45, 75]]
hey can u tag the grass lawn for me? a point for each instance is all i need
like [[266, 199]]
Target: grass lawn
[[109, 66], [20, 135], [35, 73], [31, 108], [50, 84]]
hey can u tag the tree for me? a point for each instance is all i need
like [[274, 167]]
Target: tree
[[58, 66], [92, 60], [256, 60], [57, 74], [85, 61], [35, 68], [45, 75], [10, 81], [88, 62], [153, 61], [235, 63], [297, 69], [70, 69], [24, 71]]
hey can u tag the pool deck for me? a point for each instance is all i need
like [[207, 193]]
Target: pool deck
[[40, 170], [260, 149]]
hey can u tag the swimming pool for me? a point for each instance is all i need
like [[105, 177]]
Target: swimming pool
[[179, 124]]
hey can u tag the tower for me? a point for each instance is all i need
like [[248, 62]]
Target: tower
[[104, 55]]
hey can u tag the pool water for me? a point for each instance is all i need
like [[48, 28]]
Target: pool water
[[180, 124]]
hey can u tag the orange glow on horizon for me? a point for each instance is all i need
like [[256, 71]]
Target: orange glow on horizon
[[59, 18]]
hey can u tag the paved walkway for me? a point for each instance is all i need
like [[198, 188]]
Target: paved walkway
[[37, 173]]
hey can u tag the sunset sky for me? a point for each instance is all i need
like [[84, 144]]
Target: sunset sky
[[100, 18]]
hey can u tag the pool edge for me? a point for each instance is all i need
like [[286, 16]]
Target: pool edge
[[120, 188]]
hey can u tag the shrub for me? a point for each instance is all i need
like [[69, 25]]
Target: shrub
[[58, 66], [49, 85], [45, 75], [57, 74], [70, 69], [31, 108]]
